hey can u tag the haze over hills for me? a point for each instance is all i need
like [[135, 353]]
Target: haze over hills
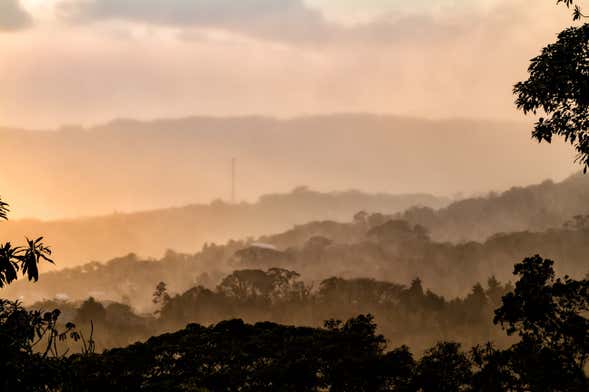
[[375, 246], [129, 165], [535, 208], [150, 233], [144, 167], [186, 229]]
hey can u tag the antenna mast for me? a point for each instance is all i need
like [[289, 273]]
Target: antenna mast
[[232, 180]]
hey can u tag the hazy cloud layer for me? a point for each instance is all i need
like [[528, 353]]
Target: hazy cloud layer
[[280, 19], [291, 21], [149, 58], [13, 16]]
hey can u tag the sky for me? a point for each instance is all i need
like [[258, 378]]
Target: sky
[[85, 62]]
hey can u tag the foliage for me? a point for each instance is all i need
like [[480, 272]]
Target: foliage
[[550, 315], [233, 355], [13, 259], [443, 368], [321, 250], [274, 285], [30, 339], [160, 295], [406, 314], [558, 86], [3, 210], [577, 12]]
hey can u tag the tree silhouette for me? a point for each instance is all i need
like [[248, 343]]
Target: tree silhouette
[[160, 295], [31, 357], [443, 368], [558, 87], [263, 287], [3, 210], [26, 259], [550, 316], [577, 12]]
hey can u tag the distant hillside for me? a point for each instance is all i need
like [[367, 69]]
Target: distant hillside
[[536, 208], [130, 165], [375, 247], [186, 229], [151, 233]]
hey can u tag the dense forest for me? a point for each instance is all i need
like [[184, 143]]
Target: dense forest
[[544, 316], [216, 319], [405, 314], [374, 246]]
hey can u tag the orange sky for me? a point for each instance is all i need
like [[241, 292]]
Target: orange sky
[[80, 61]]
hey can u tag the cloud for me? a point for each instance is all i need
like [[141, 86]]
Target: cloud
[[13, 16], [296, 21], [454, 62], [288, 20]]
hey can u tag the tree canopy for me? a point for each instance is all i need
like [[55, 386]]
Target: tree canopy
[[558, 88]]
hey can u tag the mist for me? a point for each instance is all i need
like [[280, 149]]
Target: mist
[[297, 195], [128, 165]]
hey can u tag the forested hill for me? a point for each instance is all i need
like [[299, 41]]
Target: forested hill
[[149, 234], [186, 229], [535, 208], [373, 246]]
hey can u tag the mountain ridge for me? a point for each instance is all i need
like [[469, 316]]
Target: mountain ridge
[[129, 165]]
